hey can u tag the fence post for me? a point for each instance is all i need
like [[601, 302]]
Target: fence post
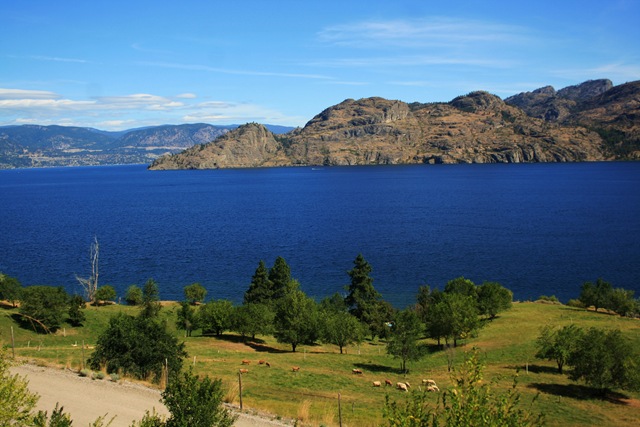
[[83, 354], [240, 387], [339, 410], [13, 344]]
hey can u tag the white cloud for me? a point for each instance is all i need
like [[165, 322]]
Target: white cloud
[[26, 94], [187, 96], [19, 106]]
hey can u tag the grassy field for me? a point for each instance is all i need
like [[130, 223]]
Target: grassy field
[[506, 345]]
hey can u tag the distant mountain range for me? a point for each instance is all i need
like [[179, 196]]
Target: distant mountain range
[[40, 146], [592, 121]]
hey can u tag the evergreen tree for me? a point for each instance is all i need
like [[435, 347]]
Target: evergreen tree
[[187, 319], [279, 278], [260, 288], [76, 313], [150, 300], [362, 297]]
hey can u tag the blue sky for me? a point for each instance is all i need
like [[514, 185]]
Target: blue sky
[[116, 65]]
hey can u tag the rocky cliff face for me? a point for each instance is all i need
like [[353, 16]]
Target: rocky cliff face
[[475, 128], [612, 112]]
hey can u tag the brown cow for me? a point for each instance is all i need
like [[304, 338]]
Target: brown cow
[[387, 382], [357, 371], [376, 384], [295, 368], [244, 371], [268, 364], [402, 386], [261, 362], [246, 362]]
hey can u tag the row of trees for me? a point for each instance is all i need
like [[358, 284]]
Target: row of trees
[[602, 295], [274, 304], [604, 359]]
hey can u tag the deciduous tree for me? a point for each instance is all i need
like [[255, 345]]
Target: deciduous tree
[[605, 360], [407, 329], [195, 293], [558, 345], [44, 306], [133, 295], [187, 319], [10, 289], [295, 320], [105, 293], [215, 316], [340, 328], [493, 298]]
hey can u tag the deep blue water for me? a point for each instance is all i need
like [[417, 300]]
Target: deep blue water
[[536, 228]]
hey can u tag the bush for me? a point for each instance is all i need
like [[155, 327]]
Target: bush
[[85, 373], [552, 299], [137, 346], [575, 303], [133, 295]]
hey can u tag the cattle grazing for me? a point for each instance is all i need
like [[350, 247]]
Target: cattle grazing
[[268, 364], [295, 368], [402, 386], [433, 389], [376, 384], [246, 362], [261, 362], [244, 371], [428, 382], [387, 382], [357, 371]]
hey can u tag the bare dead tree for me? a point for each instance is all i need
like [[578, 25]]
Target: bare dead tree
[[90, 284]]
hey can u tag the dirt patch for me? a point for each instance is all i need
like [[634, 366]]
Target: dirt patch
[[86, 399]]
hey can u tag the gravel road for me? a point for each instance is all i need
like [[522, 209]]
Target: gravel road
[[87, 399]]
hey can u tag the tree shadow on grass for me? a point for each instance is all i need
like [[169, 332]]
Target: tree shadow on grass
[[581, 392], [374, 367], [263, 348], [536, 369]]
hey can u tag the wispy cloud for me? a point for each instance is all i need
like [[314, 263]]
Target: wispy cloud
[[620, 72], [206, 68], [435, 31], [56, 59], [413, 60], [26, 94]]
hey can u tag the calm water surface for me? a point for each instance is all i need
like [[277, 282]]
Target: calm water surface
[[536, 228]]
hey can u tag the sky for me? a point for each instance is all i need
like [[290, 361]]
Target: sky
[[118, 65]]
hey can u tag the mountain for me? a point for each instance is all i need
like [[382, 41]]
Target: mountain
[[37, 146], [612, 112], [474, 128]]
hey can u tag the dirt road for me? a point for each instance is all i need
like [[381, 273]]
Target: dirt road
[[87, 399]]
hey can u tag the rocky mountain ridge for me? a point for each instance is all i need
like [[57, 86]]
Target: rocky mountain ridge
[[474, 128]]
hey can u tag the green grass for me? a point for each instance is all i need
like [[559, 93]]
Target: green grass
[[506, 344]]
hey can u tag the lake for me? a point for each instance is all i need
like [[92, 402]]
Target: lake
[[538, 229]]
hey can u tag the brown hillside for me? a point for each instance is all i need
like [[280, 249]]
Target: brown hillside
[[475, 128]]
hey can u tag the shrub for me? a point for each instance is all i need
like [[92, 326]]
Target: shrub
[[85, 373]]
